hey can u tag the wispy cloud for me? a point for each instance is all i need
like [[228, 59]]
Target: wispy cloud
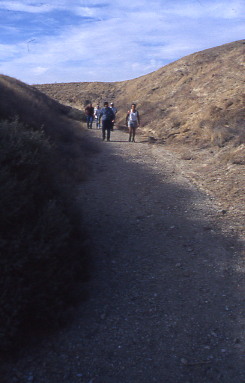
[[78, 40], [25, 6]]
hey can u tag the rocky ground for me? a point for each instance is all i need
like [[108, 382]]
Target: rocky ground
[[165, 294]]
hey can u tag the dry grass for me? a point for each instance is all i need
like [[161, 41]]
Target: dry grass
[[195, 106], [198, 99], [42, 252], [38, 111]]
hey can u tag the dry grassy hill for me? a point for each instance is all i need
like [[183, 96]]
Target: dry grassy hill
[[195, 106], [32, 107], [196, 99], [38, 111], [42, 156]]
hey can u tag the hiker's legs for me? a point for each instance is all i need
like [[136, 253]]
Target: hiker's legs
[[103, 129], [130, 132], [91, 121], [88, 122], [109, 128], [108, 134], [134, 131]]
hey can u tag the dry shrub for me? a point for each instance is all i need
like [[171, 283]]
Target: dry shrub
[[220, 135], [219, 132], [37, 111], [77, 114], [42, 252], [237, 155]]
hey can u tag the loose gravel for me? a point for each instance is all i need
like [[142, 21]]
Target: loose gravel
[[165, 293]]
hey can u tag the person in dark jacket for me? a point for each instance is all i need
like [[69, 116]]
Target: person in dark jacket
[[89, 111], [107, 116], [115, 112]]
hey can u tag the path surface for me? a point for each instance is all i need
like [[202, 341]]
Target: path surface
[[165, 293]]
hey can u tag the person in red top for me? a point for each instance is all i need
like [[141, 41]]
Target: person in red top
[[89, 111]]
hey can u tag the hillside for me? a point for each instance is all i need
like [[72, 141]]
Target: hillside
[[198, 98], [164, 299], [42, 157], [194, 106]]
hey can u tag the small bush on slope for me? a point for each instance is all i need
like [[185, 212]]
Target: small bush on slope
[[35, 110], [41, 252]]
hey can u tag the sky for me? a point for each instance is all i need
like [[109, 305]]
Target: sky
[[61, 41]]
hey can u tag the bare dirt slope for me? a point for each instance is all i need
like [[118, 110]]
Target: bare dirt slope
[[165, 300]]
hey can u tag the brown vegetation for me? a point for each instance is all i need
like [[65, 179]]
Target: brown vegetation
[[195, 106], [42, 252], [198, 99]]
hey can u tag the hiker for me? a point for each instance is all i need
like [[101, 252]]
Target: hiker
[[132, 121], [97, 115], [115, 112], [89, 111], [107, 115]]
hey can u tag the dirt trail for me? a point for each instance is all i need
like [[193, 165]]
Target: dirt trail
[[165, 293]]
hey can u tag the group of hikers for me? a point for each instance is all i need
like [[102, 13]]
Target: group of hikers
[[107, 115]]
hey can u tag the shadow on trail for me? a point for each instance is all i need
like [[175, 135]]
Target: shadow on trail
[[164, 301], [165, 295]]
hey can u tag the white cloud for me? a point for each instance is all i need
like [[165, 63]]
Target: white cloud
[[40, 70], [125, 40], [7, 52], [25, 6], [227, 10]]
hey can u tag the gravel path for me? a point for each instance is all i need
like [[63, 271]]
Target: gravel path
[[165, 293]]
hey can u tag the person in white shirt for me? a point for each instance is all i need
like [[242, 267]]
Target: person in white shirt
[[97, 111], [132, 121]]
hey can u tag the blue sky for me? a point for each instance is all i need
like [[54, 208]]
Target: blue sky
[[75, 40]]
